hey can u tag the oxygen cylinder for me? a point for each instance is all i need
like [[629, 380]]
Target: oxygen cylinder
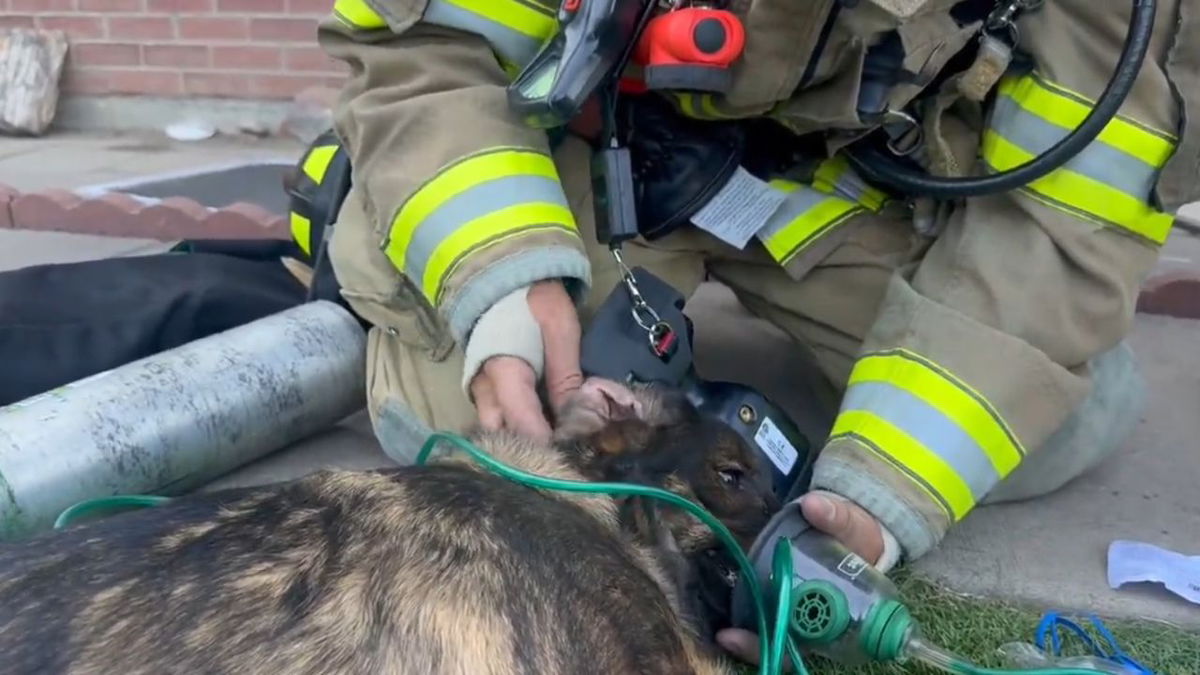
[[171, 422]]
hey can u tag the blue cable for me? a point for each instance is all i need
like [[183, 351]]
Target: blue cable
[[1053, 621]]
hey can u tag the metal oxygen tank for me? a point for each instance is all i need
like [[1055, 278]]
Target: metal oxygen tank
[[176, 420]]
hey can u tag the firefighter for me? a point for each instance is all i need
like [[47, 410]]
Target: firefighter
[[979, 342]]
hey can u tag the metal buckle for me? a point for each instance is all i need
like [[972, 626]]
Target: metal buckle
[[1003, 18], [912, 129]]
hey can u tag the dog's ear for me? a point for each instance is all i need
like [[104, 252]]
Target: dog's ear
[[596, 405], [619, 400]]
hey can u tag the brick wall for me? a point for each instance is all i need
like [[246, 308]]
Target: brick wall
[[249, 49]]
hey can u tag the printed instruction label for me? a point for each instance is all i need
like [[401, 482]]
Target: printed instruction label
[[772, 441], [740, 209]]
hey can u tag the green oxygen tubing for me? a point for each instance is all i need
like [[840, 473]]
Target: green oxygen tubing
[[788, 629]]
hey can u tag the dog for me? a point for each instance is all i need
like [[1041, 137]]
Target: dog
[[432, 569]]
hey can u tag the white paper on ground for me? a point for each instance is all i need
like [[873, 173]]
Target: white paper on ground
[[740, 209], [1132, 562]]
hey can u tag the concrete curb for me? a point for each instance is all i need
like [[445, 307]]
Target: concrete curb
[[1169, 292], [116, 214], [1174, 294]]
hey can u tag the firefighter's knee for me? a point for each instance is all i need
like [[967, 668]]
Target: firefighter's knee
[[1095, 431]]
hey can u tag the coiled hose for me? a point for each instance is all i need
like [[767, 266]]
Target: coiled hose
[[880, 167]]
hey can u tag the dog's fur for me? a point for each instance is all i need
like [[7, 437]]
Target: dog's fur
[[443, 568]]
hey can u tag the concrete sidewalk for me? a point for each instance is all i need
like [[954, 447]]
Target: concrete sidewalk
[[1050, 552]]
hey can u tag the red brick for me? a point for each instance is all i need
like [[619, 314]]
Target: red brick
[[178, 6], [247, 57], [218, 84], [17, 21], [213, 28], [283, 30], [181, 56], [311, 59], [141, 27], [152, 82], [91, 54], [86, 81], [1174, 294], [256, 6], [314, 7], [42, 5], [111, 6], [42, 211], [77, 27], [283, 86]]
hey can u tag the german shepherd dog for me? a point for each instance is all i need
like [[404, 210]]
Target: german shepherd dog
[[421, 570]]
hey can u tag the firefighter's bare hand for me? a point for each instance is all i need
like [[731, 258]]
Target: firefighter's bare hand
[[840, 518], [505, 390]]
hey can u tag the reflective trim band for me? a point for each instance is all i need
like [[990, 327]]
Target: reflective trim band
[[358, 14], [803, 217], [1080, 195], [317, 162], [1110, 182], [919, 463], [929, 427], [475, 202], [835, 176], [486, 230], [1064, 108], [700, 106], [947, 437], [301, 231], [516, 30]]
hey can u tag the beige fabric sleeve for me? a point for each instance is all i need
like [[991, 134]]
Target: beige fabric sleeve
[[982, 351], [465, 198]]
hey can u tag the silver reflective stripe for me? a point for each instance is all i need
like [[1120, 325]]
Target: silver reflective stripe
[[798, 202], [473, 203], [513, 46], [851, 186], [929, 427], [1098, 161]]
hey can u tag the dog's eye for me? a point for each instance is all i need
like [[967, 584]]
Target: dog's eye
[[730, 477]]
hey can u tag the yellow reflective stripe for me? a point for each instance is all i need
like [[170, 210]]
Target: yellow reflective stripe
[[1081, 195], [301, 231], [793, 237], [931, 472], [1068, 110], [700, 106], [783, 184], [464, 175], [949, 396], [511, 14], [358, 14], [317, 162], [489, 229]]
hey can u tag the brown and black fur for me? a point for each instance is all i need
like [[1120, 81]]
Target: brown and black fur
[[443, 568]]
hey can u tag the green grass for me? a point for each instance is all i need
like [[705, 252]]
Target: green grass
[[975, 628]]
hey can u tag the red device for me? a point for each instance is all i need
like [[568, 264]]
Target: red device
[[691, 49]]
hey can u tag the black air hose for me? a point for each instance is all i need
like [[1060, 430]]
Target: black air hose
[[880, 167]]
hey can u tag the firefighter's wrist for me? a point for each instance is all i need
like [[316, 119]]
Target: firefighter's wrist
[[507, 328]]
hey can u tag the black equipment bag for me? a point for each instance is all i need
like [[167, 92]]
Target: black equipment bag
[[63, 322]]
